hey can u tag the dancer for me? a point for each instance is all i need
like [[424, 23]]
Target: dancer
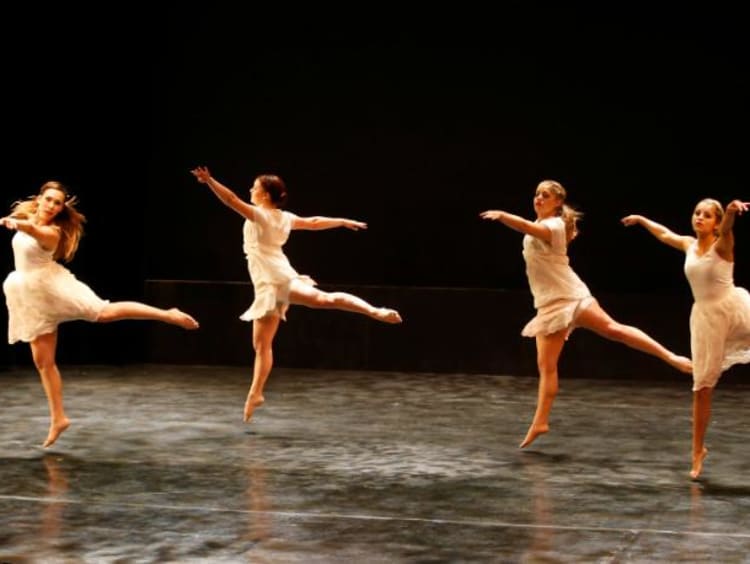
[[562, 300], [41, 293], [276, 284], [720, 316]]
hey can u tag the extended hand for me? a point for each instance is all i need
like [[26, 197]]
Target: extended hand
[[629, 220], [201, 173], [9, 223], [494, 215], [738, 206], [355, 225]]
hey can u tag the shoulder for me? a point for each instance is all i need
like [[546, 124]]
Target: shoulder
[[555, 222]]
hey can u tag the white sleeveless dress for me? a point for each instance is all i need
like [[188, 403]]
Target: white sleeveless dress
[[719, 319], [559, 294], [270, 271], [41, 293]]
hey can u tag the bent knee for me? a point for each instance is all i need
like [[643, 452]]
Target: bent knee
[[261, 347], [43, 363]]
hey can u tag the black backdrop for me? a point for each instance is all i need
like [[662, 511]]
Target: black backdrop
[[413, 125]]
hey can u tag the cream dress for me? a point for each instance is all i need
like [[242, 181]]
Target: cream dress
[[559, 294], [41, 293], [719, 319], [270, 271]]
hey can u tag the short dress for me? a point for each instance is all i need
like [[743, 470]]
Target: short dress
[[41, 293], [559, 294], [270, 271], [719, 318]]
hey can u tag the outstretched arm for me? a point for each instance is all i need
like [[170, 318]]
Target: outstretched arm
[[725, 244], [48, 236], [316, 223], [227, 197], [519, 223], [681, 242]]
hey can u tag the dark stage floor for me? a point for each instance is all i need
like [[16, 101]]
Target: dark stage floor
[[366, 467]]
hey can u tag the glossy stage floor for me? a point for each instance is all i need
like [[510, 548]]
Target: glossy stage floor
[[366, 467]]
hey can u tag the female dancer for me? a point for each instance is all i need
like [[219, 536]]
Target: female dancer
[[41, 293], [562, 300], [720, 316], [276, 284]]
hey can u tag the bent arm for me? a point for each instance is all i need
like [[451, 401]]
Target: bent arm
[[518, 223], [725, 244], [681, 242], [225, 195], [318, 222]]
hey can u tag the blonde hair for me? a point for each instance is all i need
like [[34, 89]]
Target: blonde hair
[[70, 221], [718, 210], [569, 215]]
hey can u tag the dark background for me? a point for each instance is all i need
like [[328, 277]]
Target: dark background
[[412, 122]]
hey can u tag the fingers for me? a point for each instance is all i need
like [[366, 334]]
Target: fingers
[[9, 223], [201, 173], [739, 206]]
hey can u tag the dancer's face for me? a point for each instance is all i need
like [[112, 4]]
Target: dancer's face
[[258, 194], [704, 219], [51, 203], [546, 202]]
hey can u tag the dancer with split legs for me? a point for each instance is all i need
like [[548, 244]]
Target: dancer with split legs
[[275, 282], [563, 302], [720, 315], [41, 293]]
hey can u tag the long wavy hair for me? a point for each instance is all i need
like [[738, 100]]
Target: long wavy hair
[[569, 215], [70, 221]]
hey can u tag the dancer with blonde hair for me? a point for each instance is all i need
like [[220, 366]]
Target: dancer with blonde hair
[[41, 293], [562, 301], [720, 316]]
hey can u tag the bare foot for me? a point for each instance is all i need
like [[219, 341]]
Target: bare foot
[[182, 319], [250, 405], [681, 363], [55, 430], [698, 463], [387, 315], [533, 432]]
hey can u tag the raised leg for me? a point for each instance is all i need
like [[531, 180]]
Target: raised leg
[[312, 297], [117, 311], [596, 319]]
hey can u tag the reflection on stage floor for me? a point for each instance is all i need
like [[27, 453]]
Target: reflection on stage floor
[[338, 466]]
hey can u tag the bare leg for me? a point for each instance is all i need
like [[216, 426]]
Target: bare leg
[[597, 320], [701, 417], [264, 330], [548, 349], [43, 352], [312, 297], [117, 311]]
